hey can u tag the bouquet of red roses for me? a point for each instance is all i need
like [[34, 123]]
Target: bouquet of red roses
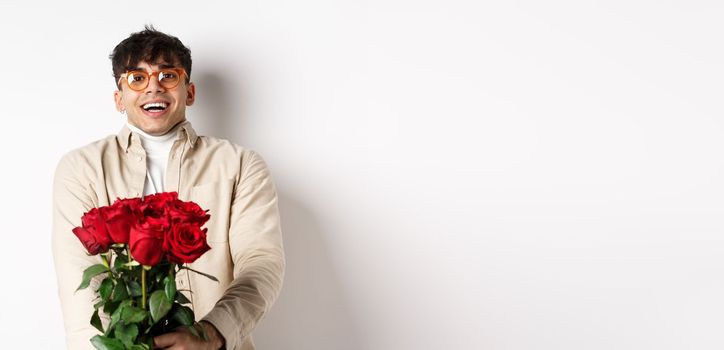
[[142, 243]]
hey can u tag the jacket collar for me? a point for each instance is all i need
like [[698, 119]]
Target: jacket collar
[[125, 136]]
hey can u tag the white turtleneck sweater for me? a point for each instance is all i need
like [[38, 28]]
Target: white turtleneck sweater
[[157, 150]]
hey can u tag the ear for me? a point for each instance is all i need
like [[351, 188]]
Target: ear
[[190, 94], [118, 98]]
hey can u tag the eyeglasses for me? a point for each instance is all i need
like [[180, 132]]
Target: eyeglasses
[[138, 80]]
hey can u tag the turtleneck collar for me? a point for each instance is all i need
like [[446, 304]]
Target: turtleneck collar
[[145, 137], [186, 131]]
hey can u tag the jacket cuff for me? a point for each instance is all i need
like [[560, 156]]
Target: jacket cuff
[[226, 326]]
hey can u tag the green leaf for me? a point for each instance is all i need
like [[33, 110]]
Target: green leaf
[[139, 347], [120, 292], [127, 333], [159, 305], [95, 321], [116, 315], [110, 307], [201, 273], [134, 288], [182, 299], [170, 287], [132, 314], [89, 273], [106, 288], [120, 262], [183, 314], [157, 277], [104, 343]]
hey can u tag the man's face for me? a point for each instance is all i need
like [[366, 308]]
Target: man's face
[[155, 109]]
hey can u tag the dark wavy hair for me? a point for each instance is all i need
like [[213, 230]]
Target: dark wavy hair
[[149, 45]]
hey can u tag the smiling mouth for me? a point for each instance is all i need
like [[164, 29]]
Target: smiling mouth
[[155, 107]]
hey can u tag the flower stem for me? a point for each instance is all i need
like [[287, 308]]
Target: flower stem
[[143, 288], [107, 259]]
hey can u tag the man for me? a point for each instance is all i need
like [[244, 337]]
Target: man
[[159, 151]]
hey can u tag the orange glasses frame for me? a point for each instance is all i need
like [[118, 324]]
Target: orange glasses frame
[[179, 71]]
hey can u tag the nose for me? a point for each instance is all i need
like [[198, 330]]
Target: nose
[[154, 85]]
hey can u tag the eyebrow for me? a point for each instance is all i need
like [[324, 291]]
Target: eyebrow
[[161, 66]]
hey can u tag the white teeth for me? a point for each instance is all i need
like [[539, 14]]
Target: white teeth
[[162, 105]]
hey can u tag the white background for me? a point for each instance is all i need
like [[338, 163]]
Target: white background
[[452, 174]]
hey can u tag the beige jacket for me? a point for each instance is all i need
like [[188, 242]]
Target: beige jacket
[[244, 231]]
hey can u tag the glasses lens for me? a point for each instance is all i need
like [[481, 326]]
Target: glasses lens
[[168, 78], [137, 80]]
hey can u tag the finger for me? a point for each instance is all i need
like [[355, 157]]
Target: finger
[[165, 340], [182, 329]]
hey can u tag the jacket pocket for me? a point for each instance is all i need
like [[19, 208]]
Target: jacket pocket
[[216, 197]]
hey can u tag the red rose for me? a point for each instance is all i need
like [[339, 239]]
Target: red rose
[[89, 241], [147, 235], [156, 205], [185, 243], [146, 240], [93, 234], [187, 212], [120, 217]]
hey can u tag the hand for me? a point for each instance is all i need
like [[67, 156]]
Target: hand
[[182, 339]]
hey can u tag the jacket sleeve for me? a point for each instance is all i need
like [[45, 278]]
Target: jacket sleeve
[[255, 241], [72, 198]]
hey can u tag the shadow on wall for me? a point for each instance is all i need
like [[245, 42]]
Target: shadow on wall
[[311, 311], [214, 110]]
